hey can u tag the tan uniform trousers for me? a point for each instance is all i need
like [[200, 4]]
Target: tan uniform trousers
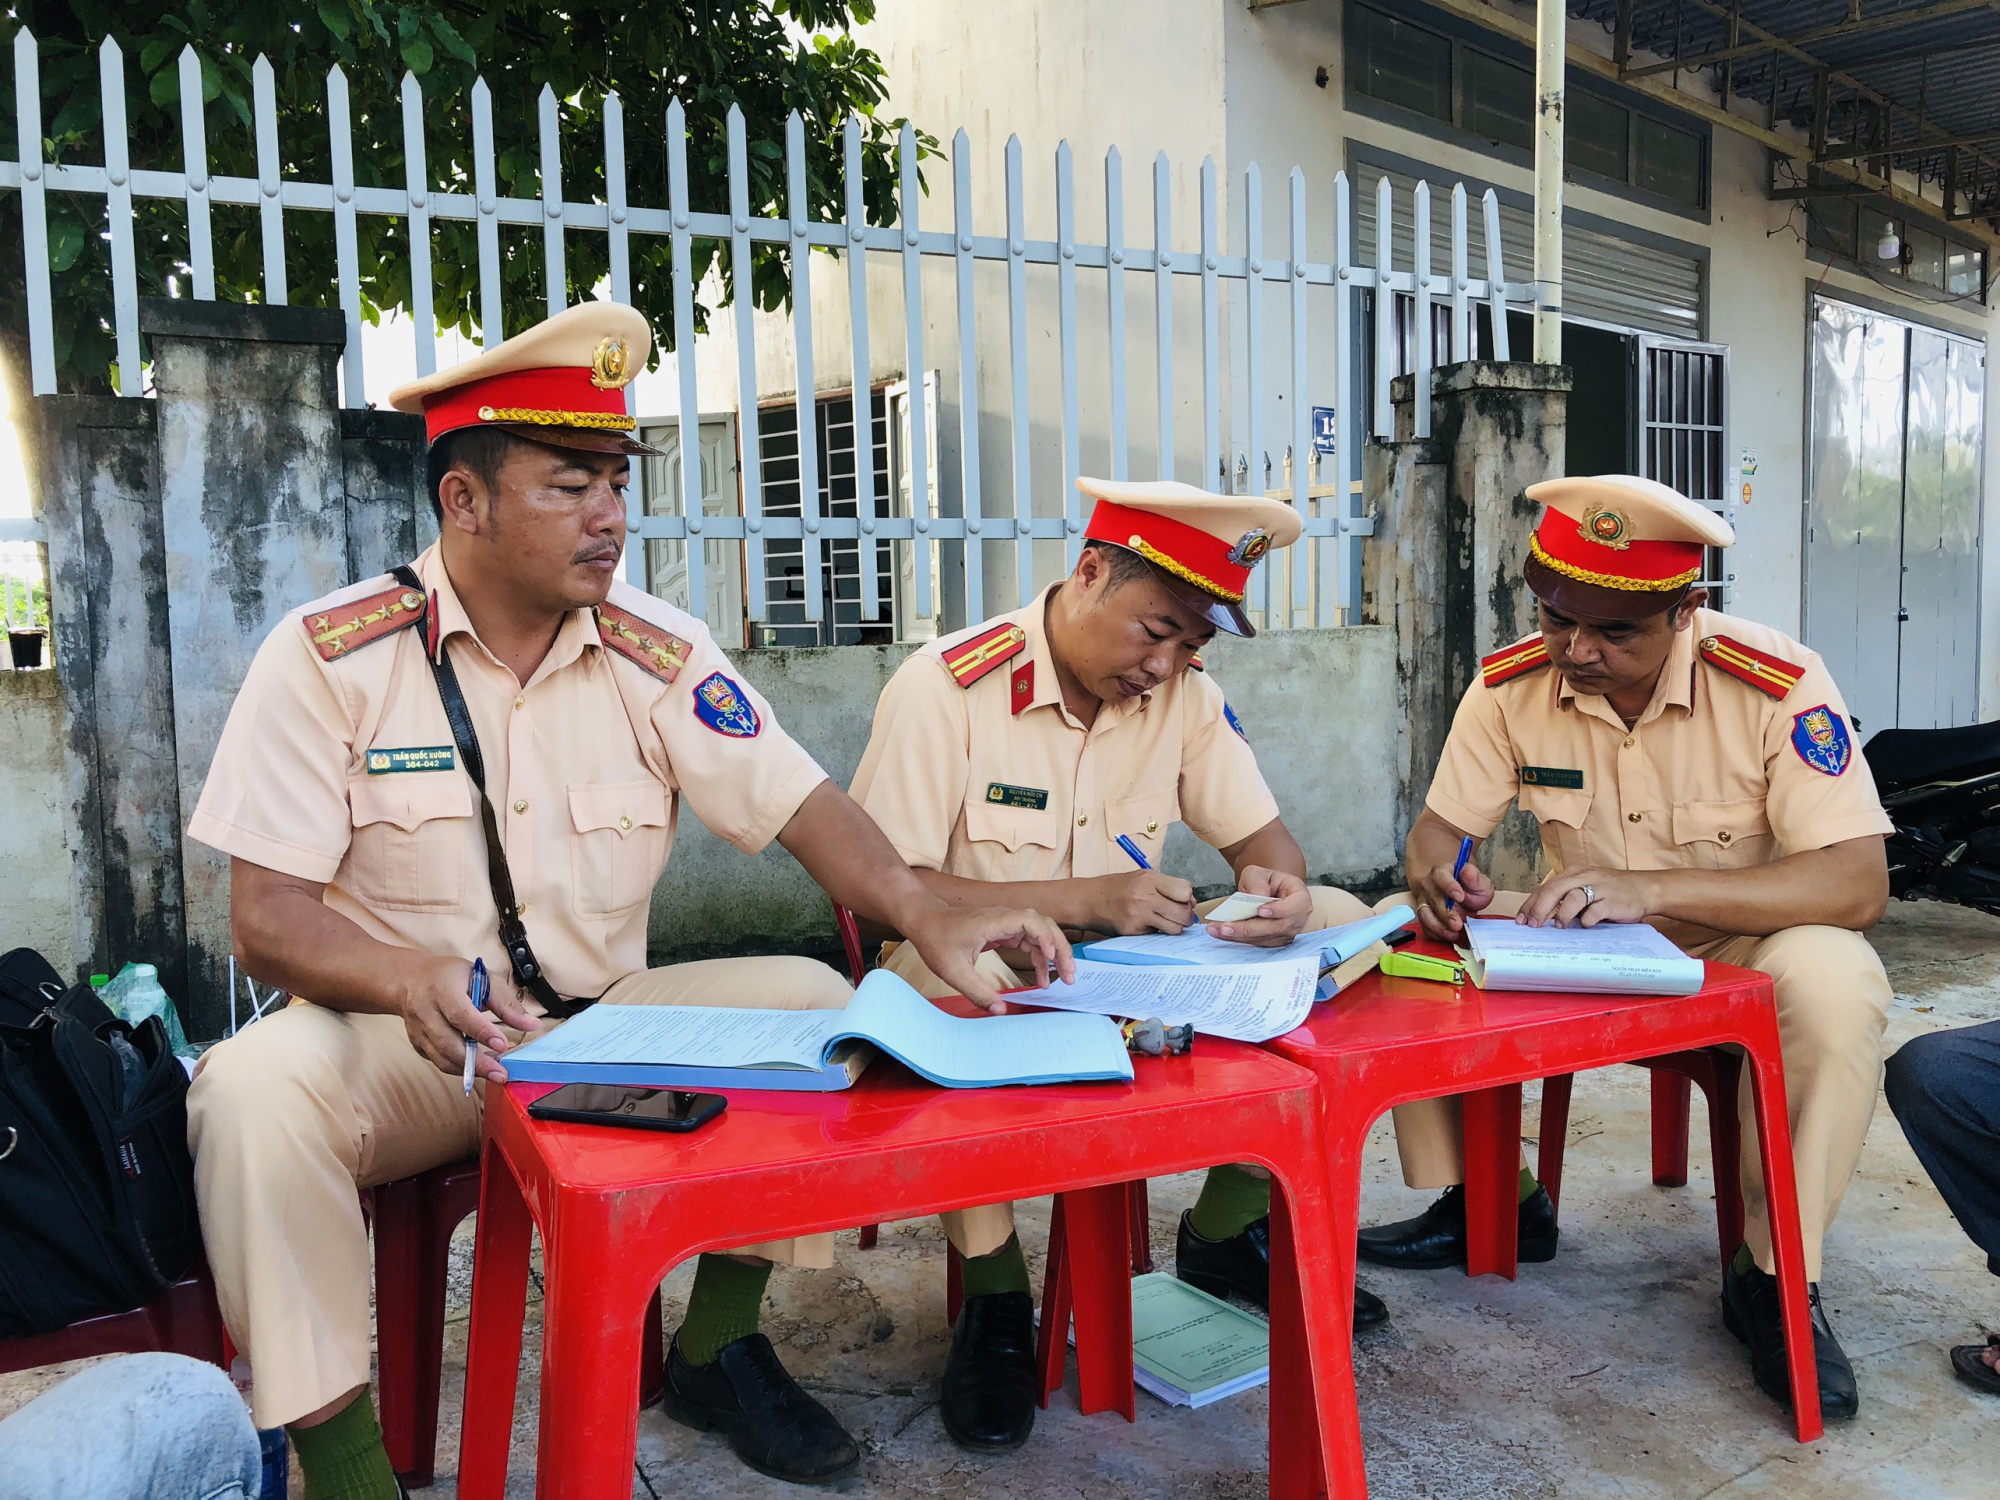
[[289, 1117], [982, 1230], [1833, 1003]]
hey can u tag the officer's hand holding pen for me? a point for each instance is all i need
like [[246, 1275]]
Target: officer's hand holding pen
[[1444, 899], [438, 1015], [1144, 901]]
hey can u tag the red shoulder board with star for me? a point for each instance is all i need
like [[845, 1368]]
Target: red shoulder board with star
[[1771, 675], [1520, 658], [346, 628], [972, 659], [642, 642]]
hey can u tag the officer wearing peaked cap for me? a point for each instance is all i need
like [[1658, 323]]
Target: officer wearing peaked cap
[[1691, 770], [1005, 764], [504, 691]]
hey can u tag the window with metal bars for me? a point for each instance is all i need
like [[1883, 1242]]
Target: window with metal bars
[[841, 622], [1683, 431]]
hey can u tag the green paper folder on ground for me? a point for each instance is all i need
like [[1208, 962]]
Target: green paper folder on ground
[[1189, 1348]]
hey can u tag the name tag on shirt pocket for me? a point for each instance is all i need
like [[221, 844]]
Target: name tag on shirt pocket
[[1003, 795], [408, 850], [619, 846], [414, 758], [1724, 835]]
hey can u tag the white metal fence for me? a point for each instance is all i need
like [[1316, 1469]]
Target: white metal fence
[[1270, 286]]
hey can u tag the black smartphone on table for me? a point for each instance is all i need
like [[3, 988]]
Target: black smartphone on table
[[629, 1106]]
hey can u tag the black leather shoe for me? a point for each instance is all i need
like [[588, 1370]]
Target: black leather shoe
[[1435, 1238], [1243, 1265], [1750, 1311], [774, 1426], [990, 1380]]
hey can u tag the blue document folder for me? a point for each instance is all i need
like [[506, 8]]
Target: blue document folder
[[1332, 945], [816, 1051]]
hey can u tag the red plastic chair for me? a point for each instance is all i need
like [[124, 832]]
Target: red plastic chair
[[181, 1320], [1719, 1073], [414, 1219], [616, 1212]]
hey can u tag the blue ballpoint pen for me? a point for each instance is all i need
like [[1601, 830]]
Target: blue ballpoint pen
[[1132, 849], [1458, 865], [475, 991]]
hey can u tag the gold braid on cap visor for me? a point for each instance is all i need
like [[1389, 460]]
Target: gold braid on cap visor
[[601, 420], [1181, 570], [1611, 580]]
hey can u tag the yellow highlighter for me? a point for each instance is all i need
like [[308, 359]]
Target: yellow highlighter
[[1400, 965]]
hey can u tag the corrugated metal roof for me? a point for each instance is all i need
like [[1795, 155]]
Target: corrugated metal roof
[[1945, 67]]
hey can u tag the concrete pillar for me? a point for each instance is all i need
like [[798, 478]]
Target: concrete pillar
[[97, 472], [254, 516], [389, 518], [1403, 571], [1505, 427]]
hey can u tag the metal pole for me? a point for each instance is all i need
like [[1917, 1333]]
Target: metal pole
[[1550, 27]]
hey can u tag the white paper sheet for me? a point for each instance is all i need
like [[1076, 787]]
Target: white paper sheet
[[1249, 1003], [1330, 945], [1616, 958]]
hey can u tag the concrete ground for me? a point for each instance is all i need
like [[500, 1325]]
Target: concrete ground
[[1604, 1372]]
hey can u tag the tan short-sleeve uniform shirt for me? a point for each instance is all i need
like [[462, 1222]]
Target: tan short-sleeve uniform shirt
[[343, 772], [1716, 774], [998, 781]]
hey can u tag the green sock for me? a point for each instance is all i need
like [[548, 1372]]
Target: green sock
[[1231, 1201], [1004, 1270], [1743, 1262], [343, 1458], [722, 1308], [1528, 1185]]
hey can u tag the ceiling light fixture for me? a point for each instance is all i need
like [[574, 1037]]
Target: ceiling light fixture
[[1888, 247]]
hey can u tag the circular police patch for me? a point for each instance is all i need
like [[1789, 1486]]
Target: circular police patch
[[721, 705]]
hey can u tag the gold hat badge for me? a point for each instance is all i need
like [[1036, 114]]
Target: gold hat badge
[[608, 365]]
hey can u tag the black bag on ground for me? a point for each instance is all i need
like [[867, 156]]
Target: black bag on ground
[[97, 1209]]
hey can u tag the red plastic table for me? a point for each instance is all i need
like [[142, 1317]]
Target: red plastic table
[[618, 1208], [1385, 1041]]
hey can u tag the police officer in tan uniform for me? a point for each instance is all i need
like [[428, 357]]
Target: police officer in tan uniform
[[1004, 765], [360, 884], [1691, 770]]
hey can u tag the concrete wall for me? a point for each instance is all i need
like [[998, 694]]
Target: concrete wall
[[38, 907], [1306, 698]]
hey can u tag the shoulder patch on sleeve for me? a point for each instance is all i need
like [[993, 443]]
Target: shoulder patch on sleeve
[[1771, 675], [641, 642], [345, 628], [1514, 661], [972, 659]]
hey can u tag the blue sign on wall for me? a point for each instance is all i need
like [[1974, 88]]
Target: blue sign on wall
[[1326, 428]]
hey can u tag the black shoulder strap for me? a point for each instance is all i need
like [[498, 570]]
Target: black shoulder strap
[[513, 933]]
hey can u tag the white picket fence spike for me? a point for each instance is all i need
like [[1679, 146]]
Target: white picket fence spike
[[743, 311], [555, 273], [486, 200], [805, 402], [194, 167], [34, 213], [1385, 308], [1297, 558], [1212, 477], [694, 545], [1496, 276], [618, 211], [1017, 366], [1072, 433], [909, 199], [416, 183], [1114, 302], [346, 252], [968, 377], [1255, 374], [866, 552], [270, 203], [1421, 246], [118, 209], [1461, 305], [1163, 307], [1347, 407]]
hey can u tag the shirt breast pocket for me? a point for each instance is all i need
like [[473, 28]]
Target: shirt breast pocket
[[619, 844], [409, 844], [1144, 819], [1011, 828], [1729, 835], [1562, 812]]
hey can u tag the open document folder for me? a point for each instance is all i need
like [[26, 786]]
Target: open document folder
[[816, 1051], [1612, 958]]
